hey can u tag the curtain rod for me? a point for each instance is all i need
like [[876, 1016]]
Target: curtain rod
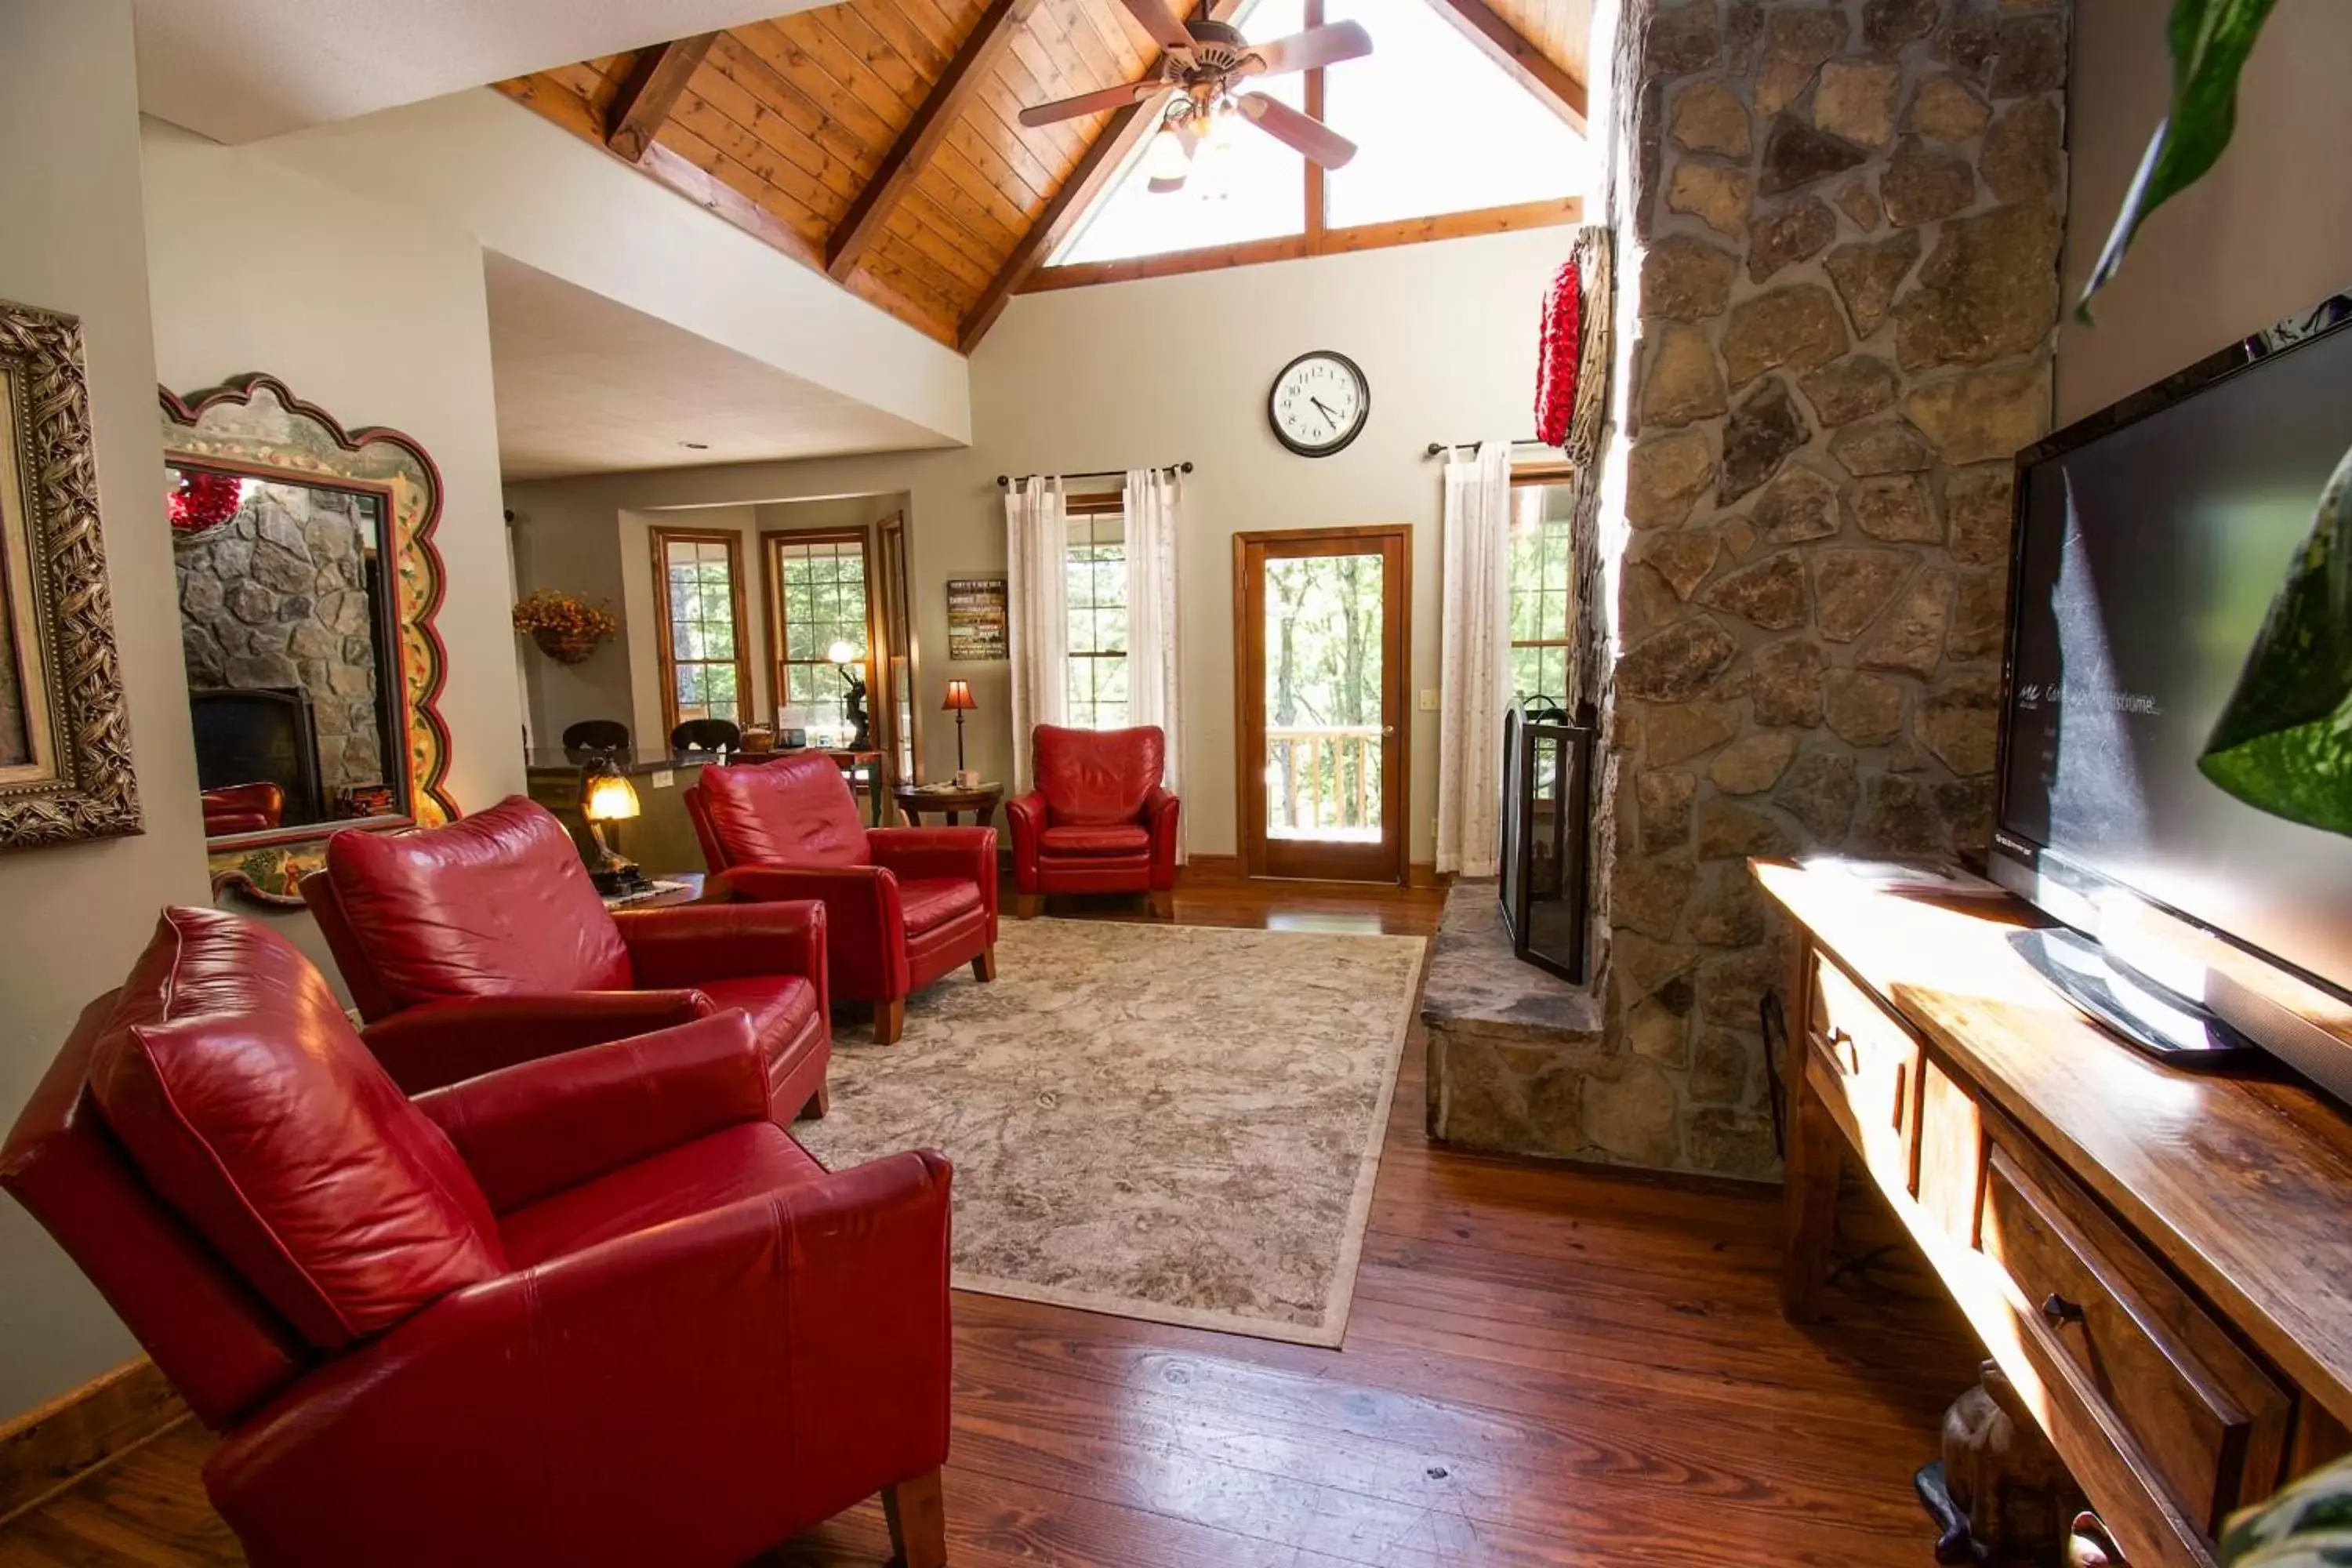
[[1006, 481], [1439, 448]]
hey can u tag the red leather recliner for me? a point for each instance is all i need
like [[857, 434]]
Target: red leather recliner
[[598, 1309], [483, 943], [243, 808], [903, 905], [1099, 820]]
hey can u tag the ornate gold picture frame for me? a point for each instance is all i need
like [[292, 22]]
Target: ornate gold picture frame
[[65, 743]]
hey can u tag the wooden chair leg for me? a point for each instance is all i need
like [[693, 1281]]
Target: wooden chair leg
[[1163, 904], [818, 1104], [983, 968], [889, 1021], [1025, 905], [918, 1522]]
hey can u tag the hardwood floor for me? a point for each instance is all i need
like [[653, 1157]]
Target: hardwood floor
[[1543, 1365]]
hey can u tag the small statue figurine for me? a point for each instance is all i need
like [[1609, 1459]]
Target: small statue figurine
[[2001, 1494]]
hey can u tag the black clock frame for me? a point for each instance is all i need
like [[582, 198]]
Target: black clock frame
[[1275, 424]]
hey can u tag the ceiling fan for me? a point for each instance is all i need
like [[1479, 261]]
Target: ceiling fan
[[1203, 61]]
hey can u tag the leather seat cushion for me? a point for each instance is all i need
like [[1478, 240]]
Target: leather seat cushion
[[781, 1006], [931, 901], [740, 1162], [1124, 839]]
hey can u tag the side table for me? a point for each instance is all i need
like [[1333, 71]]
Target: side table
[[950, 802]]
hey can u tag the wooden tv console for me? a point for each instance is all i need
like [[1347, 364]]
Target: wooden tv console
[[2161, 1262]]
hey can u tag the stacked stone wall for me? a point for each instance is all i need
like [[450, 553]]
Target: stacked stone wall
[[1839, 230]]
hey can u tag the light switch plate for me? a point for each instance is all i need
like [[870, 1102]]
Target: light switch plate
[[1428, 701], [664, 779]]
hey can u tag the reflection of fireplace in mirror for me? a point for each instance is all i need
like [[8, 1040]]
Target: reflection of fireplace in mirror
[[287, 633]]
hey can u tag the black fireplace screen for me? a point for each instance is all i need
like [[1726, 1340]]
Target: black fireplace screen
[[1547, 817]]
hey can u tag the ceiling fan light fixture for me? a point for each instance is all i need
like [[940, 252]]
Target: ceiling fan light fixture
[[1165, 159]]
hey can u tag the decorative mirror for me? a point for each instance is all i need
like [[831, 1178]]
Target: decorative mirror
[[308, 584]]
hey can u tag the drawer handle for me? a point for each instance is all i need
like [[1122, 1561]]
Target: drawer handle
[[2059, 1311]]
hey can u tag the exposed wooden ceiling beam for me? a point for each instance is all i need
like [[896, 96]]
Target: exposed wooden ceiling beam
[[647, 95], [1525, 64], [1120, 133], [863, 224]]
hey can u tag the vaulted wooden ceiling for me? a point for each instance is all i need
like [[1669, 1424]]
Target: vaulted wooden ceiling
[[879, 140]]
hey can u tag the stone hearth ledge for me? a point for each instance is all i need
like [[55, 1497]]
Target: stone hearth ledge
[[1518, 1061]]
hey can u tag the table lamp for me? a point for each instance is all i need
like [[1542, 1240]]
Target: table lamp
[[606, 796], [960, 702], [852, 701]]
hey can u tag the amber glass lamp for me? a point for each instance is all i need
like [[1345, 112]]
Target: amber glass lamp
[[606, 796], [960, 702]]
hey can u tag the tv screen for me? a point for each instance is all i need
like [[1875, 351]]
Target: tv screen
[[2179, 717]]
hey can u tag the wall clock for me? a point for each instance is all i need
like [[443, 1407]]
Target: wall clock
[[1318, 404]]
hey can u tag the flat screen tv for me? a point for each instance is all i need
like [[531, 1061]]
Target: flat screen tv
[[2175, 782]]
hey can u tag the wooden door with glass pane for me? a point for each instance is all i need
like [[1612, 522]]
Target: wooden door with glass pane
[[1323, 636], [817, 599]]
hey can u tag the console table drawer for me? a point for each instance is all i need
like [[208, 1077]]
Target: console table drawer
[[1877, 1063], [2209, 1423]]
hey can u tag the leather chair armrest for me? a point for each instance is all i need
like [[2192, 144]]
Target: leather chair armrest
[[538, 1127], [968, 852], [692, 944], [444, 1042], [565, 1412], [1026, 817], [1160, 809], [864, 925]]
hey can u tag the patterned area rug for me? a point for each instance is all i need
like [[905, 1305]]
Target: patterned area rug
[[1176, 1124]]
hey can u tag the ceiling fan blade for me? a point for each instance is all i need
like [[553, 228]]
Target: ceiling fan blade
[[1165, 30], [1325, 46], [1318, 142], [1087, 103]]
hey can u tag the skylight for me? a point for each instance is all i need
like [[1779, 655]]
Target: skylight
[[1440, 129]]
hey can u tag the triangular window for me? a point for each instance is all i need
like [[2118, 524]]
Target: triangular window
[[1440, 129]]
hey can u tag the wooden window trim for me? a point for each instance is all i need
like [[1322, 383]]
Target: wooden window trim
[[773, 577], [663, 538]]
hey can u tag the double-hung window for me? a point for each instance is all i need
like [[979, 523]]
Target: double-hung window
[[1096, 574], [817, 599], [1543, 606], [699, 577]]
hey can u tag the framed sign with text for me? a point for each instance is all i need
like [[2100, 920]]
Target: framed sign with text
[[976, 620]]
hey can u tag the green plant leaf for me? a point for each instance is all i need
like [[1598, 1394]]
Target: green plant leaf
[[2284, 742], [2211, 40]]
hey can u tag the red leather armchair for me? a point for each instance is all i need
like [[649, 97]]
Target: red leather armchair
[[903, 905], [1099, 820], [596, 1309], [243, 808], [481, 944]]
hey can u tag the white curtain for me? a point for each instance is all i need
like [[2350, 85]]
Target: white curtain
[[1474, 669], [1155, 507], [1036, 552]]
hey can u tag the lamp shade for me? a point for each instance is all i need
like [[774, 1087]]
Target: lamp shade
[[959, 699], [610, 797]]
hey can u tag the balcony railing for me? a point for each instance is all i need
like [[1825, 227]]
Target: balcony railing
[[1323, 782]]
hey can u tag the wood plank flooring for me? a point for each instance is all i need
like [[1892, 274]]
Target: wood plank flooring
[[1545, 1365]]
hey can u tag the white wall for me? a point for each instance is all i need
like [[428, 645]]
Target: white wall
[[71, 920], [378, 322], [482, 164], [1169, 369], [2266, 234]]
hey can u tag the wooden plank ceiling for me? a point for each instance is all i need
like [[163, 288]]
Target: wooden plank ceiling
[[879, 139]]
